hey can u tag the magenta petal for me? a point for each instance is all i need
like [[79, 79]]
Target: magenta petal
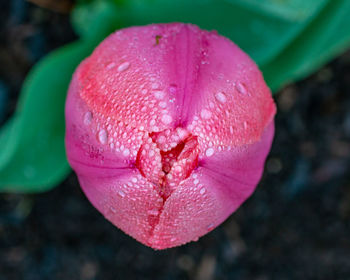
[[168, 127], [232, 175], [86, 154], [129, 202], [216, 189]]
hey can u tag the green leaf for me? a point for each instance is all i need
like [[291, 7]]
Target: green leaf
[[327, 36], [34, 154], [8, 140], [85, 17], [33, 157]]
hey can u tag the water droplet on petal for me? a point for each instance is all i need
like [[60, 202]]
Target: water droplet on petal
[[162, 104], [231, 129], [209, 152], [110, 65], [126, 152], [166, 119], [88, 118], [210, 227], [221, 97], [205, 114], [241, 88], [155, 86], [102, 136], [153, 212], [202, 191], [122, 67], [245, 125], [178, 168], [121, 193], [159, 94]]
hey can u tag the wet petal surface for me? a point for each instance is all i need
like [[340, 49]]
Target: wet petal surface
[[168, 128]]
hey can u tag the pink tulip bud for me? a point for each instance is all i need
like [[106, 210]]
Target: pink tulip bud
[[168, 127]]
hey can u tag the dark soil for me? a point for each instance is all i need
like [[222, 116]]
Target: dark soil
[[295, 226]]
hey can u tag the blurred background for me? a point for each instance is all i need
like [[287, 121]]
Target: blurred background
[[295, 226]]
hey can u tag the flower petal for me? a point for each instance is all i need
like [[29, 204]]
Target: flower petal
[[130, 202], [168, 127], [216, 189], [170, 75]]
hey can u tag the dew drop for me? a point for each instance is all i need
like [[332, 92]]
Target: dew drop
[[221, 97], [166, 119], [231, 129], [241, 88], [102, 136], [126, 152], [122, 67], [113, 209], [210, 227], [155, 86], [153, 212], [182, 133], [205, 114], [159, 94], [121, 193], [162, 104], [88, 118], [209, 152], [245, 125], [173, 144], [202, 191], [178, 168], [152, 122], [161, 139], [110, 65]]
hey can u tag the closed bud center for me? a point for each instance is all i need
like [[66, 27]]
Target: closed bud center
[[168, 157]]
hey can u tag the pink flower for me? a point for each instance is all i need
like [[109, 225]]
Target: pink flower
[[168, 128]]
